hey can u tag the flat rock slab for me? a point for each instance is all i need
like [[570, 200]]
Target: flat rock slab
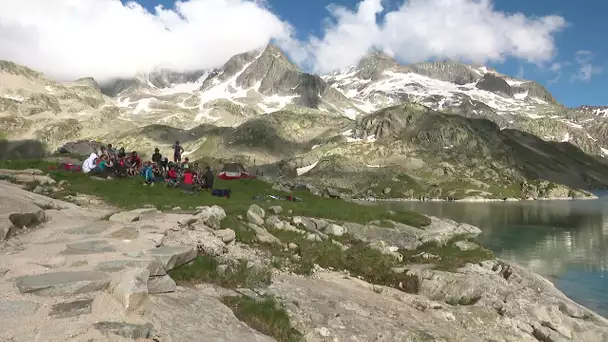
[[93, 228], [88, 247], [125, 233], [127, 330], [13, 308], [72, 309], [155, 266], [132, 216], [63, 283], [174, 256]]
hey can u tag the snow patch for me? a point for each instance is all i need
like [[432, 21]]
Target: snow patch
[[566, 137], [12, 97], [302, 170]]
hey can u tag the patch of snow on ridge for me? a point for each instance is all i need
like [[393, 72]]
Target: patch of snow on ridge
[[371, 95], [604, 151], [302, 170], [12, 97], [566, 137]]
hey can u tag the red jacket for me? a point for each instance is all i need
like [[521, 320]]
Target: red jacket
[[188, 178], [172, 174]]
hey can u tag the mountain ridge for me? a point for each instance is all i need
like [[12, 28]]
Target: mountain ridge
[[260, 107]]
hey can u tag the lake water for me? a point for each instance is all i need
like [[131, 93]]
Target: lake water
[[565, 241]]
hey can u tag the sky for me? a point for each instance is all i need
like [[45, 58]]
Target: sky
[[557, 43]]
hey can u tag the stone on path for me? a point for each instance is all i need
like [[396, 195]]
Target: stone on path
[[92, 228], [127, 330], [63, 283], [88, 247], [72, 309], [53, 262], [162, 284], [13, 308], [125, 233], [131, 289], [155, 266], [174, 256], [132, 215]]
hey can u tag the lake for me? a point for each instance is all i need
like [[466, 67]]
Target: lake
[[565, 241]]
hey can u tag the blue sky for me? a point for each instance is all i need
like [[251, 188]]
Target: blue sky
[[555, 42], [585, 32]]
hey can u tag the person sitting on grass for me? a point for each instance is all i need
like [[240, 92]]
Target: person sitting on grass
[[186, 164], [105, 168], [121, 153], [208, 179], [188, 181], [172, 176], [89, 164], [148, 174]]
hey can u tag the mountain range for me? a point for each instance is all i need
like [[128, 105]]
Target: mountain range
[[378, 128]]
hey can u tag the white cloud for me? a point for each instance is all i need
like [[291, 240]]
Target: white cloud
[[586, 68], [69, 39], [423, 29]]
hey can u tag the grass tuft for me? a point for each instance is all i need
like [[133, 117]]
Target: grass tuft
[[264, 315], [205, 269]]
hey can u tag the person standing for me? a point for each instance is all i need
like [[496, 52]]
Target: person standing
[[177, 152]]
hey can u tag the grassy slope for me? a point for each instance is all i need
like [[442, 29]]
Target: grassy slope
[[131, 194]]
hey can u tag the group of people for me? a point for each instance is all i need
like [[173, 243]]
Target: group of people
[[109, 162]]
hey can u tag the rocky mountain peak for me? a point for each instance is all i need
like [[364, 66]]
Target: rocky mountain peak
[[493, 83], [165, 78], [374, 64], [19, 70], [447, 71]]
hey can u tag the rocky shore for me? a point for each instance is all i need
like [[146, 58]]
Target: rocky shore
[[91, 273]]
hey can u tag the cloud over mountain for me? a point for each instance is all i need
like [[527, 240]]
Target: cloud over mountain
[[105, 38]]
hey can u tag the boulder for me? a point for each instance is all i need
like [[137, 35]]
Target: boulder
[[131, 289], [227, 235], [173, 256], [211, 216], [257, 210], [262, 235]]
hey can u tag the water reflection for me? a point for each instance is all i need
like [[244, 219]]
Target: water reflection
[[566, 241]]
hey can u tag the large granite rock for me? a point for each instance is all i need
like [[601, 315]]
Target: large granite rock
[[187, 315], [63, 283], [403, 236], [16, 213]]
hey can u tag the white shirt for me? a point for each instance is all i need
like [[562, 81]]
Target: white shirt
[[89, 163]]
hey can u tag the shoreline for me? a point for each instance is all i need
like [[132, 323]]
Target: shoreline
[[479, 200]]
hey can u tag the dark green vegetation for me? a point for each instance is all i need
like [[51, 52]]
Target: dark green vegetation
[[264, 315], [204, 269], [131, 194], [449, 256], [359, 259]]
